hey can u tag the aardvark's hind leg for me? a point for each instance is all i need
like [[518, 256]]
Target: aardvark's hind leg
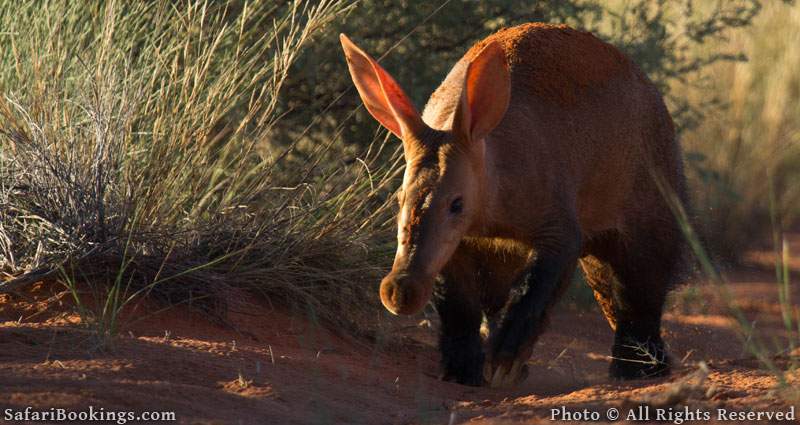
[[645, 269]]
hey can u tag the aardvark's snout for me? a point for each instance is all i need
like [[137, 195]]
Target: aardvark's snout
[[402, 293]]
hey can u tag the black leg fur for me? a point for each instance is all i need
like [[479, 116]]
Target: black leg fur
[[459, 339], [540, 289], [524, 319], [638, 350], [645, 264], [638, 356]]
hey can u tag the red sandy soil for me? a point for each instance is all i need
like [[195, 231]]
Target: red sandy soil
[[264, 366]]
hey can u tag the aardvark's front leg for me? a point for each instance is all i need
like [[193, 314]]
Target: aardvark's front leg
[[512, 344]]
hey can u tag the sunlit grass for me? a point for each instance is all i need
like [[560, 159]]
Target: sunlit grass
[[748, 148], [135, 150]]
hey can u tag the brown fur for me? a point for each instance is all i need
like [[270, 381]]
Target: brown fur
[[590, 151], [567, 173], [558, 61]]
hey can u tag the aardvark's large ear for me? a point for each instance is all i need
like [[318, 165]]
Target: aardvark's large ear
[[381, 94], [485, 95]]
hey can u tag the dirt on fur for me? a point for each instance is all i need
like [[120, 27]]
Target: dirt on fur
[[263, 366]]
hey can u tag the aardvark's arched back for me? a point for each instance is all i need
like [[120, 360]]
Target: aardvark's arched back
[[539, 151]]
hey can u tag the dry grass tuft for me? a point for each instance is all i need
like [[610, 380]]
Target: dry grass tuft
[[135, 152]]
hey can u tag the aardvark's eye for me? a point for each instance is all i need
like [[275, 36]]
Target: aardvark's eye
[[457, 206]]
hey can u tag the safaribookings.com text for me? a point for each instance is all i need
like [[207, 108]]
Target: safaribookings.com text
[[675, 415], [91, 414]]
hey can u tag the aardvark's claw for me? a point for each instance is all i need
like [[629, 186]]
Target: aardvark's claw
[[505, 375]]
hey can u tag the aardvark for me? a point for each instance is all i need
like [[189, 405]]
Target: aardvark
[[544, 148]]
